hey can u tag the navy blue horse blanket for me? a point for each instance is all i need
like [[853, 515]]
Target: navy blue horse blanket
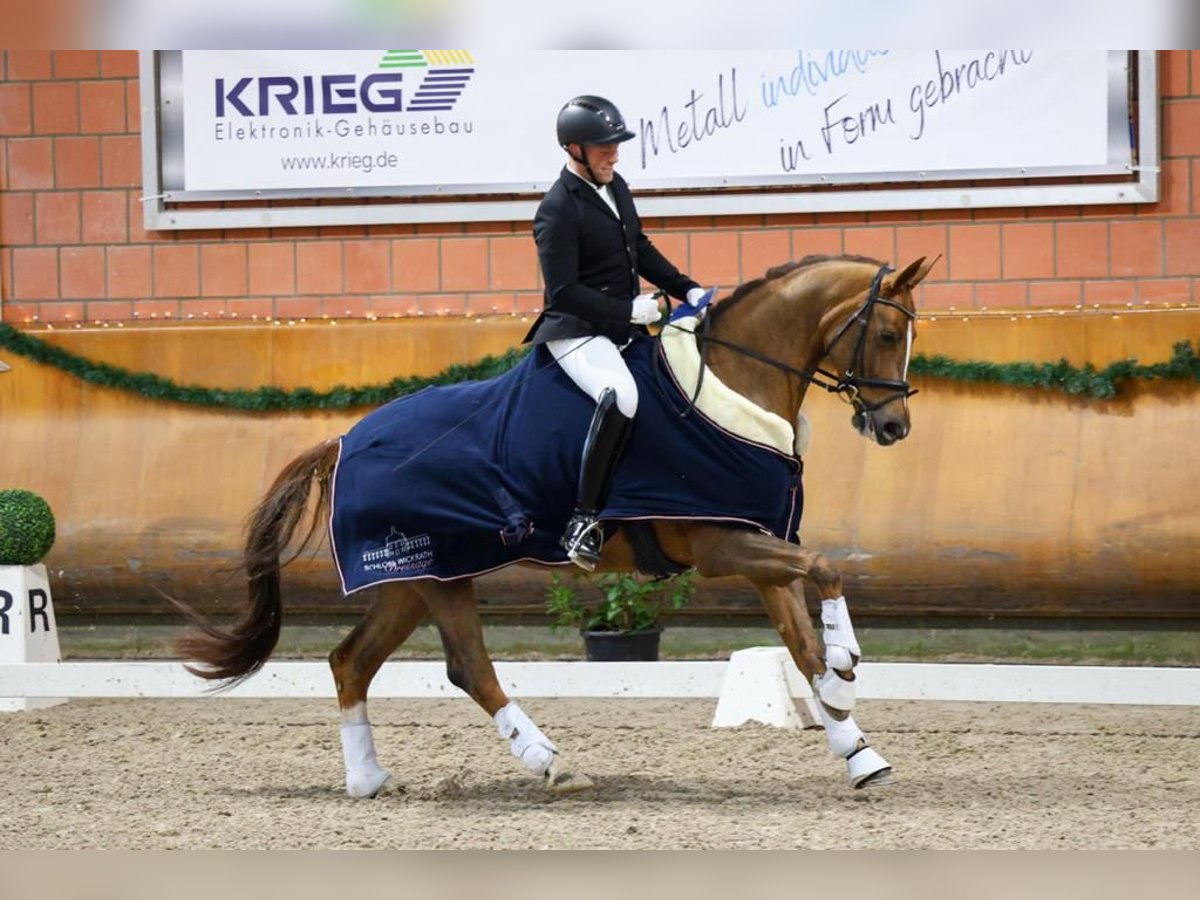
[[458, 480]]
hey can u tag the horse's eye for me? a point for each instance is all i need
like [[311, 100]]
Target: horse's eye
[[888, 337]]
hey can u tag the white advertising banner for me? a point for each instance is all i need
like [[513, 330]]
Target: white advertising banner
[[453, 122]]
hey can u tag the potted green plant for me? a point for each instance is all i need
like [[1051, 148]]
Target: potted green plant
[[618, 614]]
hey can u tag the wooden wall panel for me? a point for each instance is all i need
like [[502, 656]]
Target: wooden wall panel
[[1003, 502]]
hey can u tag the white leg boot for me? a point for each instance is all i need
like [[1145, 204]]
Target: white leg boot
[[837, 693], [847, 741], [528, 744], [364, 776], [841, 655], [537, 752]]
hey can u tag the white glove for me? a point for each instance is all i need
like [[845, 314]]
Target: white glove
[[645, 310], [694, 295]]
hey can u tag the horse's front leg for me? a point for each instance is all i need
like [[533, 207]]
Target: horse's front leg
[[775, 567], [785, 608]]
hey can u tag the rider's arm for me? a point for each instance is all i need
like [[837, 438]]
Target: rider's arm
[[660, 271], [651, 264]]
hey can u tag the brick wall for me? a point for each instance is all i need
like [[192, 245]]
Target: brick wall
[[73, 248]]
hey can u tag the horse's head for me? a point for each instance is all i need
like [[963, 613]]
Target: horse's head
[[853, 311], [868, 336]]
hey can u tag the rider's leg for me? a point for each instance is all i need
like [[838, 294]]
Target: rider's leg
[[597, 367], [605, 440]]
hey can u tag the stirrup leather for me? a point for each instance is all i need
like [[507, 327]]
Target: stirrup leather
[[583, 540]]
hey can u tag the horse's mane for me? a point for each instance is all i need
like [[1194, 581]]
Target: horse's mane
[[776, 272]]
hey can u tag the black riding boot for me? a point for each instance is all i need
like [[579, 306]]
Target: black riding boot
[[605, 440]]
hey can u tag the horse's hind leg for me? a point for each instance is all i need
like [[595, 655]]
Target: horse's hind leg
[[396, 612], [468, 666]]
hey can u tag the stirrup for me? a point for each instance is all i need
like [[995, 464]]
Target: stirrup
[[583, 541]]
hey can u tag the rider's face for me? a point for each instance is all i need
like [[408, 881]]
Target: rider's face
[[603, 159]]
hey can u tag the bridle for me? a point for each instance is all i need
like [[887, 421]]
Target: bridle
[[847, 384]]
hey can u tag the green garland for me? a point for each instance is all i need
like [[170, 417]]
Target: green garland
[[1060, 376], [261, 399], [1087, 381]]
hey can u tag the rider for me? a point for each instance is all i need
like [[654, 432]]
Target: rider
[[592, 251]]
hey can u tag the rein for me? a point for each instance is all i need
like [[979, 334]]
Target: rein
[[845, 385]]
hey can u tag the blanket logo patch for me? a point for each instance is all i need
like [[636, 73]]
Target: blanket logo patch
[[399, 553]]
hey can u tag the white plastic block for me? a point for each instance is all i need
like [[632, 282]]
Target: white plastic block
[[28, 631], [762, 684]]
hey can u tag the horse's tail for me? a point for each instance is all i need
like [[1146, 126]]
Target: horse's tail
[[233, 654]]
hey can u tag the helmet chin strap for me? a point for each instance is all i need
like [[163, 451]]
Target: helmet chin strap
[[587, 166]]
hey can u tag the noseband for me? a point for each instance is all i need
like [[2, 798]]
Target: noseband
[[845, 385]]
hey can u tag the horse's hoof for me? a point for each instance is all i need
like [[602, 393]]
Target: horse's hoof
[[560, 780], [368, 787], [868, 768], [882, 778]]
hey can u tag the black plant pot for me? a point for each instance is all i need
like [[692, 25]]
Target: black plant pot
[[622, 646]]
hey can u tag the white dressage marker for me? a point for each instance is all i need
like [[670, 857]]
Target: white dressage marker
[[762, 684], [28, 631]]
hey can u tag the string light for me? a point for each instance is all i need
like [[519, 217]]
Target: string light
[[144, 319]]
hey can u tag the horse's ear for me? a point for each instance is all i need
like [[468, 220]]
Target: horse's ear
[[909, 277]]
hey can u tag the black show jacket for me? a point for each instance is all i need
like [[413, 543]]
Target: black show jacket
[[591, 262]]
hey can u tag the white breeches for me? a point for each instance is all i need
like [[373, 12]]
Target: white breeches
[[595, 363]]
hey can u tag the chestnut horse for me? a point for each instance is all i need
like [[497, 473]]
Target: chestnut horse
[[767, 343]]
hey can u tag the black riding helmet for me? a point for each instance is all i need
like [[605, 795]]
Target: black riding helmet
[[590, 120]]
